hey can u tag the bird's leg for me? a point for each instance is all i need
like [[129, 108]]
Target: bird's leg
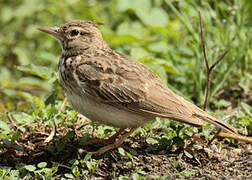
[[116, 144], [107, 141], [113, 138]]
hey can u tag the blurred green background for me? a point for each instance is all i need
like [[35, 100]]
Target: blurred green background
[[163, 34]]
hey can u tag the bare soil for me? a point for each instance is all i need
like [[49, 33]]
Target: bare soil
[[195, 160]]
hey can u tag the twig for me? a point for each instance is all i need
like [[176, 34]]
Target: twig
[[203, 43], [233, 113], [229, 135], [209, 68], [236, 136], [14, 125], [64, 166], [53, 132], [220, 58], [82, 125], [209, 71]]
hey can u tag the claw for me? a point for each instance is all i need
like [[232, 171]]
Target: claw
[[117, 144]]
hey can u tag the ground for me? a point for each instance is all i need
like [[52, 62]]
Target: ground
[[193, 159]]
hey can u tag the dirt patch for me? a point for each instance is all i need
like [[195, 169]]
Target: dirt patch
[[194, 160]]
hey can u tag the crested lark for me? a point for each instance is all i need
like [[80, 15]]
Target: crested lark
[[114, 89]]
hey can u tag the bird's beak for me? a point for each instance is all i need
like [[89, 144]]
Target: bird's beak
[[51, 30]]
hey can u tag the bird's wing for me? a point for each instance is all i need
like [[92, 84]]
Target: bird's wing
[[110, 84], [133, 86]]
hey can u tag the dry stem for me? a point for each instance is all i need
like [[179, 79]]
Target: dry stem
[[209, 71], [209, 68]]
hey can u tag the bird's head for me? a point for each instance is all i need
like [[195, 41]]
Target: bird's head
[[77, 34]]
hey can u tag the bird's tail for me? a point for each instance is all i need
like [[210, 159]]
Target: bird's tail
[[200, 114], [219, 123]]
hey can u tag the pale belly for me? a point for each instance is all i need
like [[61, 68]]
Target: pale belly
[[106, 114]]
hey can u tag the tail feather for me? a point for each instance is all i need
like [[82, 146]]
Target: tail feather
[[217, 122], [200, 114]]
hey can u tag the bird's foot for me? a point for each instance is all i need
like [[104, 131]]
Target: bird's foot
[[116, 144], [106, 141]]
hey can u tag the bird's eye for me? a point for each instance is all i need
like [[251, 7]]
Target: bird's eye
[[74, 32]]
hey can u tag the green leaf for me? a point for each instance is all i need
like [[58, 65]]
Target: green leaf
[[39, 103], [247, 108], [47, 56], [52, 98], [52, 110], [26, 95], [69, 135], [22, 117], [85, 139], [22, 54], [116, 40], [169, 67], [42, 164], [134, 29], [171, 133], [121, 151], [160, 46], [6, 14], [70, 176], [154, 17], [188, 154], [33, 82], [138, 53], [30, 168], [134, 5], [33, 6], [15, 136], [223, 103], [129, 156], [5, 77], [76, 171], [151, 140], [4, 126], [187, 173], [40, 71]]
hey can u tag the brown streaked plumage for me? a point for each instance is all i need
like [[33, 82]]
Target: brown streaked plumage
[[114, 89]]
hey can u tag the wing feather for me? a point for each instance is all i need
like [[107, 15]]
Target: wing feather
[[138, 90]]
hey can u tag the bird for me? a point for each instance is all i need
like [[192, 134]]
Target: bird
[[114, 89]]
